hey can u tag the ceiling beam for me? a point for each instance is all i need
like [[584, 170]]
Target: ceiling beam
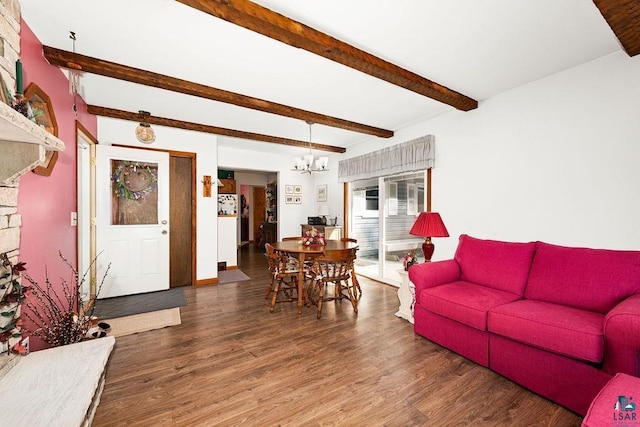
[[623, 16], [161, 121], [276, 26], [75, 61]]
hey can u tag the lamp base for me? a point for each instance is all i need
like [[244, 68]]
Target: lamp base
[[427, 249]]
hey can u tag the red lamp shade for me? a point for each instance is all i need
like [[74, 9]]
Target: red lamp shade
[[428, 225]]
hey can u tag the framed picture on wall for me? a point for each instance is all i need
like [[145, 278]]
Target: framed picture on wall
[[321, 193], [297, 200], [297, 189], [288, 189], [288, 198]]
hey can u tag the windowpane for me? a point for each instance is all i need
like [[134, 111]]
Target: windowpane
[[371, 198], [134, 188]]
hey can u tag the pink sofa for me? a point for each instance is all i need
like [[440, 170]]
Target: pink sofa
[[559, 321]]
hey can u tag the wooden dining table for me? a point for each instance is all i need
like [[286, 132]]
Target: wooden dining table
[[303, 252]]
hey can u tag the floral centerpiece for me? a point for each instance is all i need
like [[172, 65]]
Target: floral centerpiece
[[312, 237], [409, 259]]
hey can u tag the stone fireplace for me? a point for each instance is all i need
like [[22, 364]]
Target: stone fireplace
[[23, 143], [10, 52], [9, 219]]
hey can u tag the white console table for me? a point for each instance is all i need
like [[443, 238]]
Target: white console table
[[407, 297], [60, 386]]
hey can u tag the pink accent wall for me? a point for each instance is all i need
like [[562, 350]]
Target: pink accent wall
[[46, 203]]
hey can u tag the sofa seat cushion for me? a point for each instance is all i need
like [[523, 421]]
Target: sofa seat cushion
[[464, 302], [564, 330]]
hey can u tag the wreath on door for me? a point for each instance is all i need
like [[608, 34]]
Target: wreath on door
[[134, 181]]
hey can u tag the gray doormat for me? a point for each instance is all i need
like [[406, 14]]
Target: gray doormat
[[230, 276], [128, 305]]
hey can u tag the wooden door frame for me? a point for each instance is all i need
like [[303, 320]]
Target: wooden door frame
[[92, 141], [194, 201]]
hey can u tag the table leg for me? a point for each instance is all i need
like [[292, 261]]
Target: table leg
[[300, 281]]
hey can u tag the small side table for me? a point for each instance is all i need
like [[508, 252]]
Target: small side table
[[407, 297]]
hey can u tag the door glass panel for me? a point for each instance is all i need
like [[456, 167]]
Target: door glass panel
[[134, 193], [405, 199]]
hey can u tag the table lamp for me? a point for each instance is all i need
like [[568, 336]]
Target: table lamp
[[428, 225], [323, 211]]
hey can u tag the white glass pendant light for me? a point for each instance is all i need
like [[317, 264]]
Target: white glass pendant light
[[308, 163]]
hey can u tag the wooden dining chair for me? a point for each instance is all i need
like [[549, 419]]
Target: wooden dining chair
[[353, 272], [292, 260], [333, 266], [283, 277]]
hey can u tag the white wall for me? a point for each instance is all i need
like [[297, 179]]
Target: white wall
[[556, 160], [111, 131], [335, 189]]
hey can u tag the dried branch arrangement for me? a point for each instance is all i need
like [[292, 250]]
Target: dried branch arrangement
[[61, 319]]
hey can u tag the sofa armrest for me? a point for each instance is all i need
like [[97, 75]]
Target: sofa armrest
[[430, 274], [622, 338]]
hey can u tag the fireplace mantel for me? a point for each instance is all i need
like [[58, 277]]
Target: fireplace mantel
[[23, 144]]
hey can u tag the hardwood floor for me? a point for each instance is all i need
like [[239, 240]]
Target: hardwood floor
[[231, 362]]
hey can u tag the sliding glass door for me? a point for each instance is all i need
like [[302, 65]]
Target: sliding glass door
[[382, 213]]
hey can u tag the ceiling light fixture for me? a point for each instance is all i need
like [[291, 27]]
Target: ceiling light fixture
[[144, 132], [307, 163]]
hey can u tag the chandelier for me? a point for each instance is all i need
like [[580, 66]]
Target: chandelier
[[308, 164]]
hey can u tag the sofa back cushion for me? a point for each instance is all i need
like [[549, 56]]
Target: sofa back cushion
[[590, 279], [499, 265]]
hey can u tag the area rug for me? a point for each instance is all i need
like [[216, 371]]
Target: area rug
[[230, 276], [128, 305]]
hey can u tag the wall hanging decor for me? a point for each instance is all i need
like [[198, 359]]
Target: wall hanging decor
[[227, 205], [321, 193]]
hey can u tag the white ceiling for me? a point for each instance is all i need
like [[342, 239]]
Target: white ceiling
[[477, 47]]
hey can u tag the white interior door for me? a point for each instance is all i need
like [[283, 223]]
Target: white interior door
[[132, 232]]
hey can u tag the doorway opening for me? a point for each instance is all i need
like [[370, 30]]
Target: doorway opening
[[85, 209], [251, 188]]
